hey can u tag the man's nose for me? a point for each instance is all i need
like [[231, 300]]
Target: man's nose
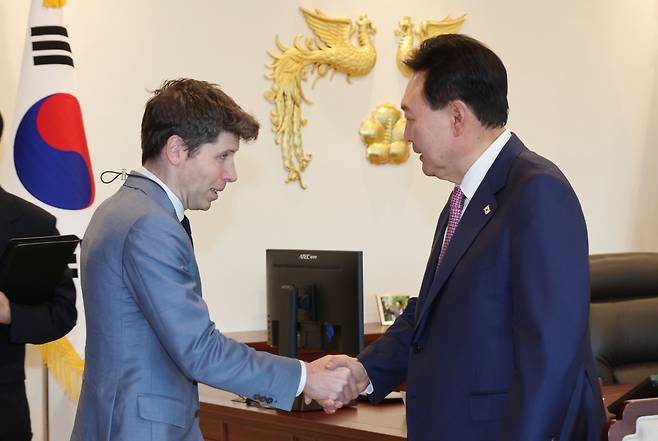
[[407, 133], [231, 174]]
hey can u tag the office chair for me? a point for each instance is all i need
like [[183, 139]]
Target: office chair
[[624, 316]]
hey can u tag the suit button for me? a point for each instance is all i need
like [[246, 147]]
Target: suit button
[[417, 348]]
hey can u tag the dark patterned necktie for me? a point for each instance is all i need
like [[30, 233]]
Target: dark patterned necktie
[[188, 229], [456, 205]]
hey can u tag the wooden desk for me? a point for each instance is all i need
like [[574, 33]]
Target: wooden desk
[[633, 410], [613, 391], [224, 420]]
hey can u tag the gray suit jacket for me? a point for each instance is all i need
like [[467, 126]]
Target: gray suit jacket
[[149, 336]]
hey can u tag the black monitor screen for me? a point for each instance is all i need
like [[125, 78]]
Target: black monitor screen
[[315, 301]]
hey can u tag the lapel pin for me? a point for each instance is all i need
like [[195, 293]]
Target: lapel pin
[[486, 210]]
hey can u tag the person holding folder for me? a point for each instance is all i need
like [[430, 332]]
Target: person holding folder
[[22, 323]]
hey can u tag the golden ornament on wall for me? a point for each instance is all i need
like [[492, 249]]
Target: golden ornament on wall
[[427, 29], [54, 3], [331, 50], [383, 135]]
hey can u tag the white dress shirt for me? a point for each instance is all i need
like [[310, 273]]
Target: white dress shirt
[[476, 173], [178, 205]]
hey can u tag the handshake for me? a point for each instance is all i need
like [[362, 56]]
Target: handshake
[[334, 380]]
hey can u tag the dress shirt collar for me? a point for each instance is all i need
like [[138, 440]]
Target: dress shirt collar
[[178, 205], [480, 167]]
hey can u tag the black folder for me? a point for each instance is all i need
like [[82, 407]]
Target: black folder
[[31, 267], [647, 388]]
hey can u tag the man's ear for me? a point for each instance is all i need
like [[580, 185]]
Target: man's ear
[[458, 115], [175, 150]]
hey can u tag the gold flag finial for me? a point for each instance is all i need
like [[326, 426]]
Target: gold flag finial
[[54, 3]]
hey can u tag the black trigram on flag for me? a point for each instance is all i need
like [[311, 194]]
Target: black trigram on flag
[[49, 45]]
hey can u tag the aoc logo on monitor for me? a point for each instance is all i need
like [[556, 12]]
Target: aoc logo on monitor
[[308, 257], [51, 156]]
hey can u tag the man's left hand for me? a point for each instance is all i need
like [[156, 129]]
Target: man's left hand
[[358, 374]]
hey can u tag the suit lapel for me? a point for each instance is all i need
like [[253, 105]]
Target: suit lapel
[[474, 219], [428, 277], [155, 192]]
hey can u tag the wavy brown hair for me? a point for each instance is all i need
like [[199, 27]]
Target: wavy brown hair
[[197, 111]]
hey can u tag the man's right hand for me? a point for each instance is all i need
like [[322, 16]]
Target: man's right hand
[[359, 378], [5, 310], [358, 381]]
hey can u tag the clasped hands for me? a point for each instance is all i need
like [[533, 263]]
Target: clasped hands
[[334, 380]]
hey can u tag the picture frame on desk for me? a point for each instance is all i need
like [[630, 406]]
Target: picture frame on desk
[[390, 307]]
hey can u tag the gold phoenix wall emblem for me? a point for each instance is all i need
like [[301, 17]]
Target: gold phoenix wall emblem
[[427, 29], [330, 50], [54, 3], [383, 135]]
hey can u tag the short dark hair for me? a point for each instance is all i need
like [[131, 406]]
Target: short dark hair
[[460, 67], [2, 125], [197, 111]]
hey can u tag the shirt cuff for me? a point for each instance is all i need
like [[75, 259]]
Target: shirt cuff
[[369, 389], [302, 379]]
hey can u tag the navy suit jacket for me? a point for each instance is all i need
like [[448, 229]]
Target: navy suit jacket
[[29, 323], [496, 347], [34, 324]]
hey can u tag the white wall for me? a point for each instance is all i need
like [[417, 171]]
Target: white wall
[[582, 92]]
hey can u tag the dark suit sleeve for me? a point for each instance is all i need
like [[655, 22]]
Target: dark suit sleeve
[[47, 321], [550, 300], [386, 359]]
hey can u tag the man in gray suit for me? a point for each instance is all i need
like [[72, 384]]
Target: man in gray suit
[[149, 336]]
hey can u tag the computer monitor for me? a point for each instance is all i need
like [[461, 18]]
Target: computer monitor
[[315, 301]]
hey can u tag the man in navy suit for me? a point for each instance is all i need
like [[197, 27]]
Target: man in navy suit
[[496, 347]]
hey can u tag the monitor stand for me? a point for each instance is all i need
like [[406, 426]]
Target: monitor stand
[[288, 347]]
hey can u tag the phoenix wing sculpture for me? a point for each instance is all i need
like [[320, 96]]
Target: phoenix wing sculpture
[[432, 28], [405, 32], [331, 49], [427, 29]]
